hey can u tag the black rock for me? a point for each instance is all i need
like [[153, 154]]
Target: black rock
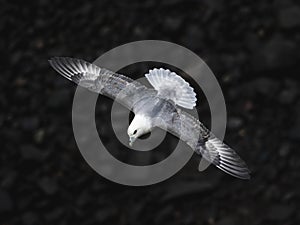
[[30, 123], [173, 23], [265, 86], [287, 96], [83, 198], [170, 2], [228, 220], [30, 152], [49, 186], [9, 178], [234, 123], [185, 189], [284, 149], [276, 53], [58, 98], [29, 218], [289, 17], [6, 203], [1, 120], [294, 132], [54, 214], [39, 136], [193, 37], [164, 214], [105, 214], [279, 212]]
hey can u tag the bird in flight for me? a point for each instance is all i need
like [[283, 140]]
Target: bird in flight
[[160, 106]]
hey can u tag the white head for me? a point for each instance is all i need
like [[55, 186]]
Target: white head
[[140, 125]]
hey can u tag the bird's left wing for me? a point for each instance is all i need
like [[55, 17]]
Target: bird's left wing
[[201, 140], [100, 80]]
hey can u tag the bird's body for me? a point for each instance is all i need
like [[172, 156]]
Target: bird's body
[[158, 107], [151, 111]]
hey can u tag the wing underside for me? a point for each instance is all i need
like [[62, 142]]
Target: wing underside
[[202, 141], [99, 80]]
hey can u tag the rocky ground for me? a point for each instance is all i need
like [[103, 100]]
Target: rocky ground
[[253, 49]]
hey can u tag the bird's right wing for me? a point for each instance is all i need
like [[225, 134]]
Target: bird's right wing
[[100, 80], [201, 140]]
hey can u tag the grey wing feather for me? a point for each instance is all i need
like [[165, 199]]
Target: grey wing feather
[[100, 80], [202, 141]]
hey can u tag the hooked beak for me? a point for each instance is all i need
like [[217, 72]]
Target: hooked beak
[[131, 140]]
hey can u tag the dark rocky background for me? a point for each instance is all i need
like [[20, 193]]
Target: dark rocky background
[[251, 46]]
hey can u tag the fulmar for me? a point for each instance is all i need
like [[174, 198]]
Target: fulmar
[[160, 106]]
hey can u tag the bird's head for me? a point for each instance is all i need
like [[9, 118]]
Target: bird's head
[[140, 125]]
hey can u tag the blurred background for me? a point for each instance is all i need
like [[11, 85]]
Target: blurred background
[[251, 46]]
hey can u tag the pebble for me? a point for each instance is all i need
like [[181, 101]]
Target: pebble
[[284, 149], [49, 186], [6, 203], [276, 53], [29, 218], [234, 123], [31, 152], [279, 212], [228, 220], [289, 17]]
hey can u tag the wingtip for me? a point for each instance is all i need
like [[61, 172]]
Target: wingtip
[[249, 175], [228, 160], [52, 59], [246, 176]]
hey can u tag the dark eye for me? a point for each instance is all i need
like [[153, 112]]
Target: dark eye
[[134, 132]]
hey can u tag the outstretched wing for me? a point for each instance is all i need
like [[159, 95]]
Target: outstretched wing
[[171, 86], [100, 80], [202, 141]]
